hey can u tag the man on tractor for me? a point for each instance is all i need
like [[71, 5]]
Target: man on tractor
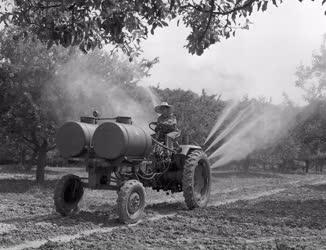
[[166, 128]]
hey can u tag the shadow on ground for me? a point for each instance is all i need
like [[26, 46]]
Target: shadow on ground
[[166, 207], [107, 217], [23, 185], [14, 169], [318, 187], [239, 174]]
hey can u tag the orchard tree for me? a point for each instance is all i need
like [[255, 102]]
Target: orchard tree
[[312, 79], [124, 23], [26, 68], [311, 128]]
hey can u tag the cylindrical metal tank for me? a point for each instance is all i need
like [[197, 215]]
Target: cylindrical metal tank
[[112, 140], [73, 137]]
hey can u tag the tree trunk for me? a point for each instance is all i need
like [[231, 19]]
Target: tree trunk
[[31, 161], [307, 165], [41, 162], [291, 165], [246, 165], [186, 139], [282, 166], [22, 157]]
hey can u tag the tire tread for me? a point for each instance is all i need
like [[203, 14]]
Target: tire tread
[[187, 179]]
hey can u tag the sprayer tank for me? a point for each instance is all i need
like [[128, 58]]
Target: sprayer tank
[[73, 138], [112, 140]]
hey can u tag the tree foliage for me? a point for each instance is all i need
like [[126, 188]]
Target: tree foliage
[[124, 23], [312, 79], [26, 68], [311, 123]]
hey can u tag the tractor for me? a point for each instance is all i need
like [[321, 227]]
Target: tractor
[[126, 158]]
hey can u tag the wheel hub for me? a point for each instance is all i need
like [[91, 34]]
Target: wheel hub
[[199, 182], [72, 192], [134, 203]]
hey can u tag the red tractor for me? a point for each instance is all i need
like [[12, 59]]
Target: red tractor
[[126, 158]]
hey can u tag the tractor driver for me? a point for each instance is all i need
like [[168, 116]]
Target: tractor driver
[[166, 129]]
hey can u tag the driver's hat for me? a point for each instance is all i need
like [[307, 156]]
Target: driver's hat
[[158, 108]]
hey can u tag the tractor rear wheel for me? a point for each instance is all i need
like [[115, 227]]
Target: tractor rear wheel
[[131, 201], [196, 179], [67, 194]]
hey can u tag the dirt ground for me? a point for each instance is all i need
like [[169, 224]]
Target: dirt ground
[[246, 211]]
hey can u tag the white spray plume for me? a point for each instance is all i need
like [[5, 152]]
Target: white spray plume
[[238, 146], [85, 91], [261, 130], [245, 113], [154, 98], [226, 112]]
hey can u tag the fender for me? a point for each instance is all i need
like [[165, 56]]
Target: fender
[[186, 148], [181, 155]]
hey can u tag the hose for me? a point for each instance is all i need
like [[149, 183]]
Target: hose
[[154, 174]]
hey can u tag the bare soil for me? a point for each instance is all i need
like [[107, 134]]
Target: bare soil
[[246, 211]]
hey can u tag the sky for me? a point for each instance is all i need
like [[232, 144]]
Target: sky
[[261, 61]]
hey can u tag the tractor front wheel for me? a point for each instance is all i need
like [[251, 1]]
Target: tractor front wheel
[[131, 201], [196, 180], [68, 192]]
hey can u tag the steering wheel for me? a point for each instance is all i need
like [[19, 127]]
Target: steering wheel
[[151, 126]]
